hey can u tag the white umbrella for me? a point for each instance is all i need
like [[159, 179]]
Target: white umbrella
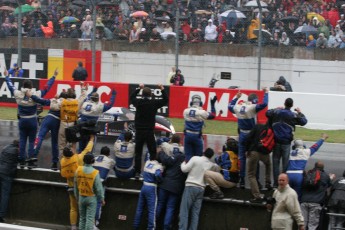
[[253, 3], [167, 34], [232, 14], [263, 10], [265, 33]]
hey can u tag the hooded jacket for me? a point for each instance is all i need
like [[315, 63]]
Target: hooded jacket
[[48, 30]]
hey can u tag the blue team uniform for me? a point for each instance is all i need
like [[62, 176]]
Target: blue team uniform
[[297, 163], [27, 115], [246, 116], [148, 194], [194, 117], [124, 158]]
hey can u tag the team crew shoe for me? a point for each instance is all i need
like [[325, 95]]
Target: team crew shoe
[[54, 167]]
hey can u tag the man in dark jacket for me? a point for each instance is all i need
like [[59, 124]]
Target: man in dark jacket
[[336, 202], [313, 199], [171, 188], [8, 170], [282, 85], [177, 79], [254, 155], [283, 122], [145, 119], [80, 73]]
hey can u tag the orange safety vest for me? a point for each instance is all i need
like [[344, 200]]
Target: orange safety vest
[[85, 181], [69, 110], [68, 166]]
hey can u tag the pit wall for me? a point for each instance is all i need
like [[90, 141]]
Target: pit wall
[[40, 196], [318, 108]]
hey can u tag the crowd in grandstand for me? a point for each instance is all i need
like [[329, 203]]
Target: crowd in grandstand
[[201, 21]]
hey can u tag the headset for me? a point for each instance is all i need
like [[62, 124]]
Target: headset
[[196, 98]]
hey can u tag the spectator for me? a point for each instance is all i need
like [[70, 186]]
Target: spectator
[[74, 33], [311, 42], [27, 115], [312, 200], [254, 155], [177, 79], [254, 24], [6, 26], [146, 111], [171, 188], [195, 117], [282, 85], [246, 116], [338, 33], [284, 40], [88, 190], [48, 30], [275, 40], [8, 169], [321, 42], [69, 163], [143, 36], [86, 27], [228, 37], [15, 71], [283, 122], [195, 36], [285, 206], [210, 32], [298, 161], [124, 155], [152, 174], [336, 203], [103, 163], [332, 40], [171, 74], [155, 36], [193, 193], [342, 43], [133, 35], [323, 29], [186, 29], [168, 28], [80, 73]]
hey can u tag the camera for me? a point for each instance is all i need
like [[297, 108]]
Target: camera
[[270, 200]]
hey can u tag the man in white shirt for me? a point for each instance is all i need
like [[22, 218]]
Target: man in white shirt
[[210, 32], [193, 193]]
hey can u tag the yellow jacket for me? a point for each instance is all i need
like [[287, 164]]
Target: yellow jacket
[[253, 25]]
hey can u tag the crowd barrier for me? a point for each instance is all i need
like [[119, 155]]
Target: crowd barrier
[[323, 111]]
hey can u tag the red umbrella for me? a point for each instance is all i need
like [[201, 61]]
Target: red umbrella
[[8, 8], [138, 14]]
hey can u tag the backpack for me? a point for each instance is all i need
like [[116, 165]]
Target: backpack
[[266, 141], [312, 179]]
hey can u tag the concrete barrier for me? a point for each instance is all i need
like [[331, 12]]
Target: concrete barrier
[[40, 196]]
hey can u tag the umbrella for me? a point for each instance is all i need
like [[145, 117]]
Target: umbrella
[[8, 8], [289, 19], [160, 13], [265, 33], [253, 3], [138, 14], [203, 12], [263, 10], [68, 19], [79, 2], [163, 19], [75, 7], [311, 15], [38, 15], [105, 3], [24, 8], [305, 29], [233, 14], [167, 34]]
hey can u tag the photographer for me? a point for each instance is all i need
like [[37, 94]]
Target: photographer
[[177, 79], [15, 71]]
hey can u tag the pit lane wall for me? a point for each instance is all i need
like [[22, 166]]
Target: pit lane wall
[[323, 111], [40, 195]]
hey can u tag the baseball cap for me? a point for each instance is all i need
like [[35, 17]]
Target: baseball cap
[[15, 64], [143, 29], [73, 26], [209, 20], [88, 10]]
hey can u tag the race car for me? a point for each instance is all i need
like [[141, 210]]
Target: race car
[[112, 122]]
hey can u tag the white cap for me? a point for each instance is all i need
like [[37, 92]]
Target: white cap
[[87, 10], [143, 29], [209, 20]]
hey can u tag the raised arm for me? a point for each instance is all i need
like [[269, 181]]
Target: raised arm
[[112, 101], [264, 104], [9, 83], [232, 104], [49, 84]]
